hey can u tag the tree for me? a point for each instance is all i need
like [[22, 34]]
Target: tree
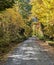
[[6, 4], [44, 11], [24, 8]]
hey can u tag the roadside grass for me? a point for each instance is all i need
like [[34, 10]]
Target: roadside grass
[[51, 43]]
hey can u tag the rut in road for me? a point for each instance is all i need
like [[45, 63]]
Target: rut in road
[[29, 53]]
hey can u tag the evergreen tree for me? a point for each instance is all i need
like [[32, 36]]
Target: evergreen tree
[[24, 8], [6, 4]]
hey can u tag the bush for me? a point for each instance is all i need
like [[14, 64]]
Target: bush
[[12, 29]]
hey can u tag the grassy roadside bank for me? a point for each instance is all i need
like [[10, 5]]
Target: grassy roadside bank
[[51, 43]]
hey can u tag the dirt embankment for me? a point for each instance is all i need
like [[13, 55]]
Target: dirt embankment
[[49, 49]]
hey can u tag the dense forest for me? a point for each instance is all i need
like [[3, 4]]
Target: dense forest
[[14, 28], [16, 21]]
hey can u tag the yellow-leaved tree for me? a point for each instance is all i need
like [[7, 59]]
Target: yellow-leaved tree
[[44, 11]]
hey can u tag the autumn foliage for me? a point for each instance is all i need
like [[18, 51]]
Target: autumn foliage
[[16, 22], [12, 29], [44, 11]]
